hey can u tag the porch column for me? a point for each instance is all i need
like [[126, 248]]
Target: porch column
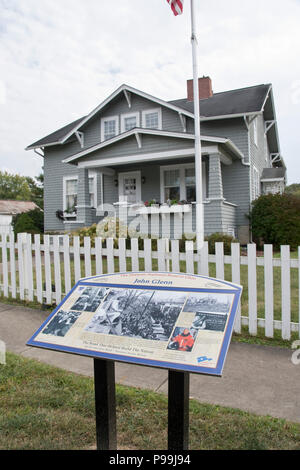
[[215, 184], [84, 210]]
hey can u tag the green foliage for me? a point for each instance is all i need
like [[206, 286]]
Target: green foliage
[[275, 219], [220, 237], [30, 222], [21, 188], [293, 189]]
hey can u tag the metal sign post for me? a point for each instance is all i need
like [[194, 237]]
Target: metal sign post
[[105, 404], [178, 410]]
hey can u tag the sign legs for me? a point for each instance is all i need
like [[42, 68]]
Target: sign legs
[[105, 398], [178, 410]]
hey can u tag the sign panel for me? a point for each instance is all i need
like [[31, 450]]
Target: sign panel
[[173, 321]]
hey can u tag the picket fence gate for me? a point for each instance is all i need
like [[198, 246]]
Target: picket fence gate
[[45, 271]]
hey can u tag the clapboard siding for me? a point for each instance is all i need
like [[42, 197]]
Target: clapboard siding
[[236, 178]]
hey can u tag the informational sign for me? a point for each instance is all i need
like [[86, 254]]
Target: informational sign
[[174, 321]]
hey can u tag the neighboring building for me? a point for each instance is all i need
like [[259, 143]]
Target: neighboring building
[[10, 208], [135, 147]]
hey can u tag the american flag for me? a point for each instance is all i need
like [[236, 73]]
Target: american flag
[[177, 6]]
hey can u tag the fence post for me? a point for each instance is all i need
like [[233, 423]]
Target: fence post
[[286, 292], [236, 278], [252, 289], [269, 292], [23, 265]]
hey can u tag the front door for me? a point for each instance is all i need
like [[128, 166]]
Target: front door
[[130, 187]]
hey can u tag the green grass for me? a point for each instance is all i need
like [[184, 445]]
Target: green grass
[[45, 408]]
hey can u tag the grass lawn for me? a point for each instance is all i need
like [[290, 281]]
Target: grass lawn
[[45, 408]]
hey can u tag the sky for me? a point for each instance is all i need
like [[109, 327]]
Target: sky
[[59, 59]]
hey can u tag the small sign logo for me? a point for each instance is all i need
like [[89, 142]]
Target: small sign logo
[[202, 359]]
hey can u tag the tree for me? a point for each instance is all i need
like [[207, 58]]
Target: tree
[[21, 188], [293, 189], [30, 222], [14, 187]]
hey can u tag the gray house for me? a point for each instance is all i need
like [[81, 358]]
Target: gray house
[[133, 156]]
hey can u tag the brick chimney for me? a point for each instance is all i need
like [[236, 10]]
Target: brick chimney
[[205, 89]]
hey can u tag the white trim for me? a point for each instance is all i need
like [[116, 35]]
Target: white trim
[[137, 158], [271, 180], [255, 131], [80, 138], [129, 115], [152, 111], [65, 180], [107, 119], [128, 98], [180, 135], [256, 190], [114, 94], [181, 167], [92, 174], [131, 174], [230, 116]]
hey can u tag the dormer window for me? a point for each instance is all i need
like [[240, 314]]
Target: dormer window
[[109, 127], [130, 121], [152, 119]]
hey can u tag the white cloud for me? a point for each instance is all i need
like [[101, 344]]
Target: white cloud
[[59, 59]]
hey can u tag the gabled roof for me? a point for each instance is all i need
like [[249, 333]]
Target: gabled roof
[[231, 147], [230, 103], [241, 101], [54, 137], [10, 207]]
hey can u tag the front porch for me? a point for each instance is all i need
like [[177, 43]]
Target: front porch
[[155, 195]]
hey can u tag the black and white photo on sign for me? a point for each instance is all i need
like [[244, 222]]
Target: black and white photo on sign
[[90, 299], [209, 302], [210, 321], [61, 323], [140, 313], [183, 339]]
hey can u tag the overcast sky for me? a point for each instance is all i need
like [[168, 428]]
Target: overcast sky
[[60, 58]]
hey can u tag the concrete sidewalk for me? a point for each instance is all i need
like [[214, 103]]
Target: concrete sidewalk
[[258, 379]]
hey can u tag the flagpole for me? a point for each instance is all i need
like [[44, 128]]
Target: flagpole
[[198, 156]]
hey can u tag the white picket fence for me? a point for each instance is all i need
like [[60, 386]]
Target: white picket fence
[[45, 272]]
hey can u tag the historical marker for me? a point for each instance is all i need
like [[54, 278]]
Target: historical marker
[[174, 321]]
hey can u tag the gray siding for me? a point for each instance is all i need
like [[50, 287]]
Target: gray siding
[[235, 177]]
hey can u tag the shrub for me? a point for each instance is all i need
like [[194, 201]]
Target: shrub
[[220, 237], [275, 219], [30, 222]]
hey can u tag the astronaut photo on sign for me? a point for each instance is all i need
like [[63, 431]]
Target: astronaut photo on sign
[[183, 339]]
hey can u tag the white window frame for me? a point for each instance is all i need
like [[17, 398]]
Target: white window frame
[[67, 178], [130, 174], [107, 119], [129, 115], [181, 168], [151, 111]]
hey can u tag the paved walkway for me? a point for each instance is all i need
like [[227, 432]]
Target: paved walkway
[[259, 379]]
